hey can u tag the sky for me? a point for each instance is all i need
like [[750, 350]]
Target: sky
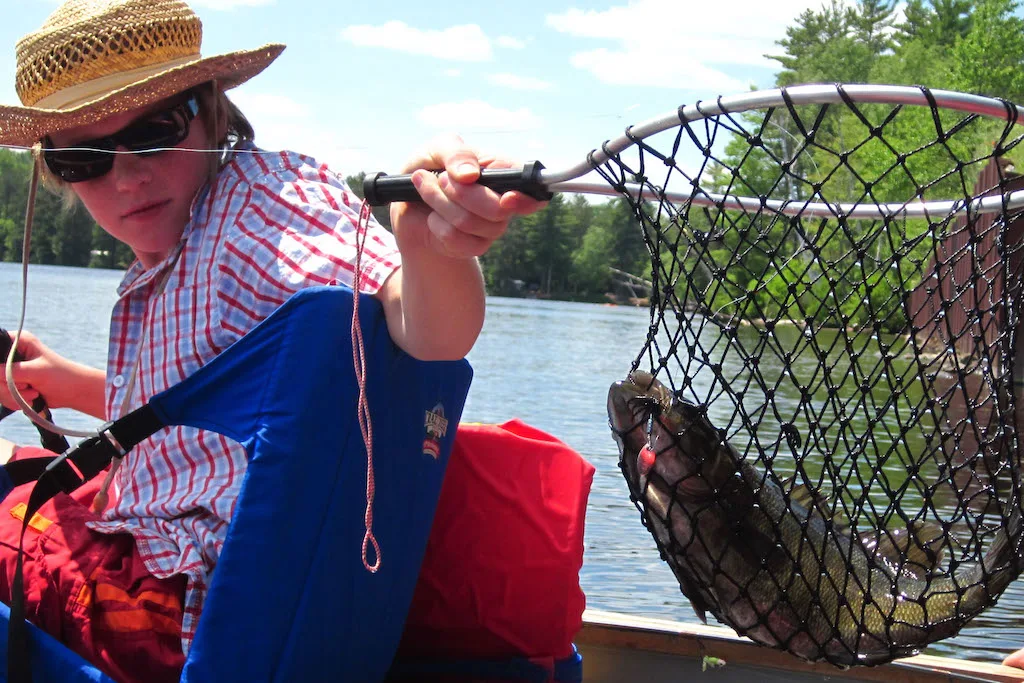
[[366, 85]]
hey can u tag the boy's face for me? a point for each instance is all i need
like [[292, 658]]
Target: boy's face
[[144, 201]]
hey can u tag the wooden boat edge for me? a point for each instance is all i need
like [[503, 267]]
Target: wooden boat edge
[[628, 633]]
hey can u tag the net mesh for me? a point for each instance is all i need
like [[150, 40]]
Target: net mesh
[[821, 428]]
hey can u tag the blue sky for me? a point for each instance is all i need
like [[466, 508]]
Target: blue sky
[[364, 85]]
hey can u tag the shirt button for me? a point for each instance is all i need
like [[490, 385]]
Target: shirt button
[[118, 381]]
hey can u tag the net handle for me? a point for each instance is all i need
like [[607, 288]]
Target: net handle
[[533, 179]]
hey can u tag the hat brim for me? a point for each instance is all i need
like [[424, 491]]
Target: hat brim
[[24, 126]]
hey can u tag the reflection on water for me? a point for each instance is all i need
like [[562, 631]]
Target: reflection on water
[[550, 364]]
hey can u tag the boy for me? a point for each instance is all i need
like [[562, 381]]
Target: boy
[[221, 240]]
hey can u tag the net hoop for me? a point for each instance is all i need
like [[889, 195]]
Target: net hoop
[[566, 180], [821, 431]]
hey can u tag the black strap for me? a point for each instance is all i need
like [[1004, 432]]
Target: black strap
[[56, 475], [30, 469], [136, 426]]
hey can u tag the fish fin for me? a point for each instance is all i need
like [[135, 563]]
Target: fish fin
[[690, 586], [805, 496], [695, 595], [925, 547], [816, 503], [840, 524], [916, 549]]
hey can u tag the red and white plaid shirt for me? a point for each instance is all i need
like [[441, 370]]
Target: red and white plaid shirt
[[271, 224]]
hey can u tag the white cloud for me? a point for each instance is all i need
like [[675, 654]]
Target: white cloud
[[515, 82], [679, 45], [453, 73], [619, 67], [465, 43], [478, 116], [510, 43]]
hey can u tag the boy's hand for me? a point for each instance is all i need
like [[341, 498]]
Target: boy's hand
[[458, 218]]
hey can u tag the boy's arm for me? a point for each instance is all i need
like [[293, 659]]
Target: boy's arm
[[434, 310], [434, 304]]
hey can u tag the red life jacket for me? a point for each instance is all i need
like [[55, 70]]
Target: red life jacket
[[500, 577]]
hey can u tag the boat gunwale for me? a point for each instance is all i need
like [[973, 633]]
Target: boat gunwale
[[624, 631]]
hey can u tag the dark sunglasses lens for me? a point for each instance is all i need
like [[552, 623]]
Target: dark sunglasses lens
[[150, 135], [75, 166], [162, 131]]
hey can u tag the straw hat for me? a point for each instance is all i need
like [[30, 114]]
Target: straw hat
[[95, 58]]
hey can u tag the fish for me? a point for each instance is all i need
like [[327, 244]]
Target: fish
[[770, 559]]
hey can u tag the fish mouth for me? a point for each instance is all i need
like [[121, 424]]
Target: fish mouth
[[629, 416], [635, 401], [637, 411]]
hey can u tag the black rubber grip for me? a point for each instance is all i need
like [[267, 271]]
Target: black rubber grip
[[382, 189]]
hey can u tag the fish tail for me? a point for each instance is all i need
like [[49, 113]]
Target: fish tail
[[997, 569], [1002, 561]]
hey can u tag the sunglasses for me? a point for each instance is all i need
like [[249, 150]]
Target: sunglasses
[[91, 159]]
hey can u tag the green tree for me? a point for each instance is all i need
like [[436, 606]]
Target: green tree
[[9, 232], [835, 43], [581, 217], [60, 235], [107, 252], [916, 62], [629, 250], [989, 59], [872, 22], [550, 234], [506, 265], [936, 22], [590, 262]]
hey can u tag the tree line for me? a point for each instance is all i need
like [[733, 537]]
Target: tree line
[[568, 249], [564, 250], [60, 236], [855, 272]]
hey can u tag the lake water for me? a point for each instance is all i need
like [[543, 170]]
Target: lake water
[[547, 363]]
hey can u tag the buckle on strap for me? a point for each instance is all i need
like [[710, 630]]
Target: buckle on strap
[[106, 432], [93, 454]]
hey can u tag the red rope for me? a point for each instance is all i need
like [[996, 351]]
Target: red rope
[[363, 407]]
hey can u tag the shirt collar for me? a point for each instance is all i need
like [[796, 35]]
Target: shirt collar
[[137, 276]]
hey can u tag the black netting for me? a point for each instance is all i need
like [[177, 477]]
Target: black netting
[[821, 431]]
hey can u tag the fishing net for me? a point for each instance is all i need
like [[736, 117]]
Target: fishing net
[[821, 429]]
